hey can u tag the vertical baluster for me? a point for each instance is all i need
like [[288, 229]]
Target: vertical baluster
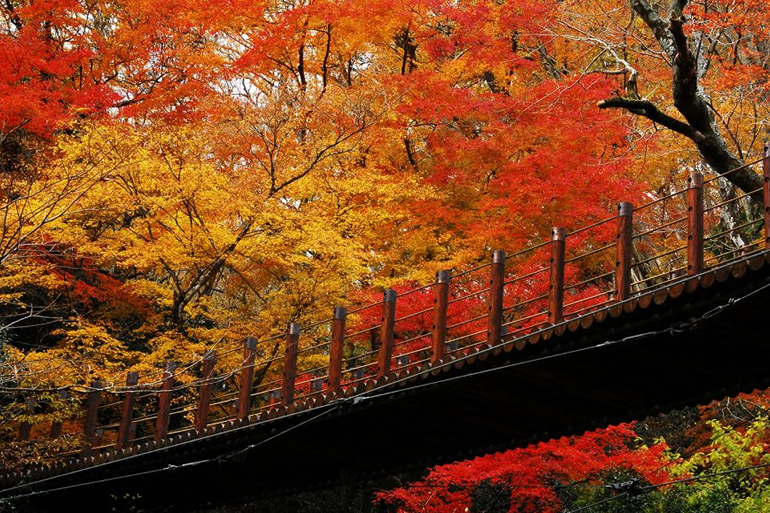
[[92, 410], [25, 427], [127, 412], [247, 377], [338, 339], [623, 251], [164, 402], [496, 284], [98, 437], [290, 364], [56, 429], [204, 399], [766, 191], [695, 224], [440, 305], [56, 425], [386, 332], [556, 285]]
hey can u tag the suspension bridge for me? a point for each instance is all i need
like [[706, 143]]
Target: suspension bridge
[[657, 307]]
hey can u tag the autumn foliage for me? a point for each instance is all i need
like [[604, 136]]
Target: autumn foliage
[[538, 478], [177, 175]]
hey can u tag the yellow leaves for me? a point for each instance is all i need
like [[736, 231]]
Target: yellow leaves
[[312, 362], [169, 346], [164, 203], [211, 250], [733, 449], [16, 277], [83, 342], [155, 293], [86, 352], [49, 195]]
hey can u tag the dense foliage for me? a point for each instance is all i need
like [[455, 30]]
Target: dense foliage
[[178, 175], [604, 471]]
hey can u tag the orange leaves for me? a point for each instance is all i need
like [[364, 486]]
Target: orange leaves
[[433, 121], [41, 72], [521, 163], [742, 34], [266, 159]]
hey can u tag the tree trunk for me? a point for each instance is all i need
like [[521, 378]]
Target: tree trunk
[[690, 99]]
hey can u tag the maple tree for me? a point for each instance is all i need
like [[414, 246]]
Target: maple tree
[[535, 479], [302, 103], [176, 176], [605, 470], [698, 69]]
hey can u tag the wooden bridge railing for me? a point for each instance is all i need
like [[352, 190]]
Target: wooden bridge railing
[[513, 295]]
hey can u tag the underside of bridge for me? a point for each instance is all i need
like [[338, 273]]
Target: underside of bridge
[[690, 343]]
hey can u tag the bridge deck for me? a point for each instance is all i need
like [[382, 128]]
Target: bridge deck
[[698, 339]]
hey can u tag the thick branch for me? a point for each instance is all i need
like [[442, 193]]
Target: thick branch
[[685, 86], [325, 63], [301, 67], [658, 25], [650, 111], [689, 99], [410, 154], [549, 63], [711, 147]]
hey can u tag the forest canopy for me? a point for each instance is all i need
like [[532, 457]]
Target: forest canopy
[[176, 176]]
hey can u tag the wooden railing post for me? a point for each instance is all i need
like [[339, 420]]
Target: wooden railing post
[[164, 402], [98, 437], [127, 412], [623, 251], [56, 429], [496, 283], [25, 428], [56, 425], [386, 332], [440, 304], [766, 190], [695, 224], [204, 399], [338, 340], [92, 410], [290, 364], [247, 377], [556, 285]]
